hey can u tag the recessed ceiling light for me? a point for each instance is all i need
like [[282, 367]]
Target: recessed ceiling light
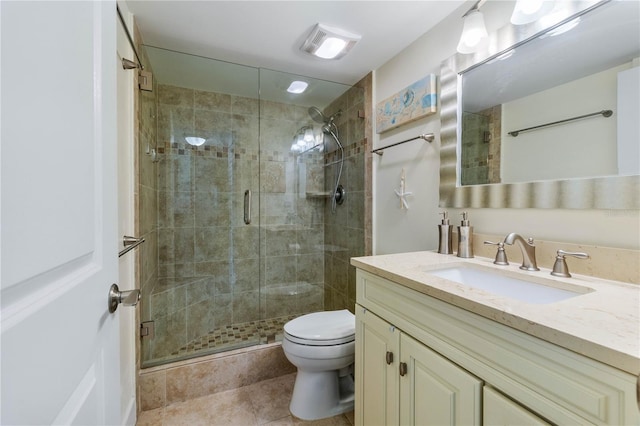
[[328, 42], [297, 87], [195, 140]]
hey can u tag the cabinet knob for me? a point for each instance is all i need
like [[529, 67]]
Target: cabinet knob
[[403, 368], [389, 357]]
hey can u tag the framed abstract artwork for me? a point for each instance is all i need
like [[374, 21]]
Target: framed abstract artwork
[[411, 103]]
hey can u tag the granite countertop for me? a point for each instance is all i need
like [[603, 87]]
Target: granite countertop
[[603, 323]]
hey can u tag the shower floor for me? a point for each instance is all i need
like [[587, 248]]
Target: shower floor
[[235, 336]]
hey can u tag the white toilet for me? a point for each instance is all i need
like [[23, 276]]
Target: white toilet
[[322, 346]]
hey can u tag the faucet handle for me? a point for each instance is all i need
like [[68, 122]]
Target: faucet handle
[[560, 268], [501, 255]]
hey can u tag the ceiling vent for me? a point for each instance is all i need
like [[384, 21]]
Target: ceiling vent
[[328, 42]]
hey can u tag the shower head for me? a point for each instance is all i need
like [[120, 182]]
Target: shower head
[[319, 117]]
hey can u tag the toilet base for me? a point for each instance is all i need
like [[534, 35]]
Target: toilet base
[[318, 395]]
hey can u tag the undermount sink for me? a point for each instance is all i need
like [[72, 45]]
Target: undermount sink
[[508, 286]]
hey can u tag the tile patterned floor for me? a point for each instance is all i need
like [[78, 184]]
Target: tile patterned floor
[[263, 403]]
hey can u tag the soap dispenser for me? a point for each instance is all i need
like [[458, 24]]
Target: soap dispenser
[[444, 229], [465, 237]]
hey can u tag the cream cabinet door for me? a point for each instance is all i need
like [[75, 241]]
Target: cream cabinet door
[[377, 373], [500, 410], [434, 391]]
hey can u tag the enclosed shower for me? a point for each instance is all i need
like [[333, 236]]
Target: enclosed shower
[[242, 224]]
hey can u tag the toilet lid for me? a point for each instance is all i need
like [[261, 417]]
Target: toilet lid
[[323, 326]]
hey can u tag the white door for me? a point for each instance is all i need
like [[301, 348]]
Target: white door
[[59, 343]]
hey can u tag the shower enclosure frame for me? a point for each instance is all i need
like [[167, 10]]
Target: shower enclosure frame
[[279, 236]]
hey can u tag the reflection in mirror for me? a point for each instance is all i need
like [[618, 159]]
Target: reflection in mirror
[[585, 66], [526, 78]]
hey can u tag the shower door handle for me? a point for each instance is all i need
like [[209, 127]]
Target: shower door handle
[[247, 207]]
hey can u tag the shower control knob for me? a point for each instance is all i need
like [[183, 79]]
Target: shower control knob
[[340, 194]]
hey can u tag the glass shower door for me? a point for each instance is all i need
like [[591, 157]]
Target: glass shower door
[[216, 275], [205, 285]]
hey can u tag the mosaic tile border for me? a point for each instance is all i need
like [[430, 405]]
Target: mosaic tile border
[[225, 151], [205, 151], [349, 151], [236, 335]]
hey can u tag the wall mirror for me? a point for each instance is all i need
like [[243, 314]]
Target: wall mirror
[[529, 76]]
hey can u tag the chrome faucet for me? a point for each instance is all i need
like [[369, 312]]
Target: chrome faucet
[[528, 251]]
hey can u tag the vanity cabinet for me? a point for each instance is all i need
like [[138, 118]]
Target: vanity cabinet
[[407, 382], [462, 368], [377, 359], [500, 410]]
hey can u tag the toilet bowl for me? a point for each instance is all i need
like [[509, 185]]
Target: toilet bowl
[[322, 346]]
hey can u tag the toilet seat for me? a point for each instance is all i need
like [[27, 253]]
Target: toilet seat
[[322, 328]]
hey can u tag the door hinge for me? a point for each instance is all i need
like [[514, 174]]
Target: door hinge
[[147, 329], [145, 81]]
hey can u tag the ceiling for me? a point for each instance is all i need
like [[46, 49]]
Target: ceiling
[[268, 34]]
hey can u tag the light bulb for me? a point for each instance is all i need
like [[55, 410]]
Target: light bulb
[[526, 11], [330, 48], [474, 32]]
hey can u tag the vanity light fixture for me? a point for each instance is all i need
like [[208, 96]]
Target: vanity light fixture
[[474, 32], [527, 11], [328, 42], [296, 87]]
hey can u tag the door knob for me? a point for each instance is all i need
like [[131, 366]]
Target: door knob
[[127, 298]]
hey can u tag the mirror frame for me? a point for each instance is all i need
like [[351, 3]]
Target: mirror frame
[[612, 192]]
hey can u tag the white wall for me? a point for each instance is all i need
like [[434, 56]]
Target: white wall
[[398, 230], [126, 264], [582, 148], [628, 126]]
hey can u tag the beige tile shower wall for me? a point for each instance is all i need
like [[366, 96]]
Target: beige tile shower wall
[[208, 257], [604, 262], [292, 214], [345, 229], [366, 84], [213, 268], [495, 144], [475, 151]]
